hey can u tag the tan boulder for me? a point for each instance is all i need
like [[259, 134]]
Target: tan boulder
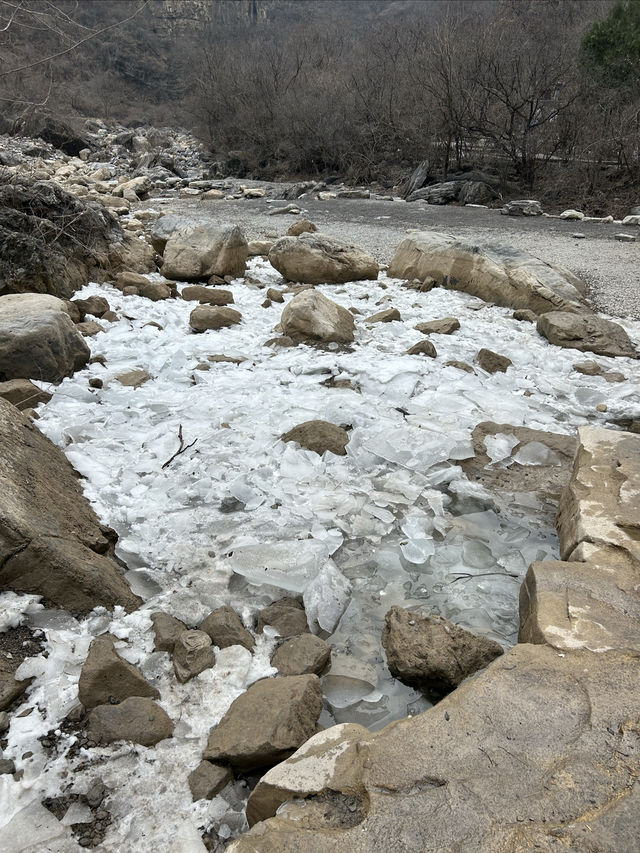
[[444, 326], [586, 332], [317, 258], [198, 251], [107, 678], [207, 295], [310, 314], [137, 719], [23, 394], [206, 317]]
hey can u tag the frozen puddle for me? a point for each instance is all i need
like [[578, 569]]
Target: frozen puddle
[[393, 522]]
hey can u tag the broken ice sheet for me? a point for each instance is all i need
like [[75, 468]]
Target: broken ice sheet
[[290, 565], [499, 446], [326, 598], [536, 453]]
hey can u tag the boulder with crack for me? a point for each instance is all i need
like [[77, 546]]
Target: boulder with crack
[[315, 258]]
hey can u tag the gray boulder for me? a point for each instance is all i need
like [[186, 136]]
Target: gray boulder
[[586, 332], [51, 542], [196, 251], [38, 339], [136, 719], [315, 258], [267, 723], [310, 314], [523, 207]]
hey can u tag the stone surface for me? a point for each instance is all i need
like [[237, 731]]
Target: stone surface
[[10, 687], [51, 542], [423, 348], [106, 677], [386, 316], [38, 339], [136, 719], [23, 394], [286, 615], [526, 315], [521, 757], [194, 252], [302, 226], [166, 631], [312, 315], [320, 437], [267, 723], [523, 207], [500, 274], [192, 654], [207, 295], [493, 362], [95, 305], [444, 326], [206, 317], [320, 259], [208, 779], [431, 653], [133, 378], [585, 332], [302, 655], [225, 628], [259, 247]]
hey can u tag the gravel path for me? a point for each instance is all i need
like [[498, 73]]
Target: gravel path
[[609, 267]]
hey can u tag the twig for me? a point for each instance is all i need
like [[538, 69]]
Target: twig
[[181, 449]]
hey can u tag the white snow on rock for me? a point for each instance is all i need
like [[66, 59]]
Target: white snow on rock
[[241, 518]]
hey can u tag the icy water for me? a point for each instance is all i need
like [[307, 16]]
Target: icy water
[[395, 521]]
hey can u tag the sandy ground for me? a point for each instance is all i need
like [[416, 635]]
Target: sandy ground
[[610, 268]]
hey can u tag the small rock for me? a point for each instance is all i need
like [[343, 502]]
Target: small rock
[[225, 628], [133, 378], [95, 305], [207, 295], [23, 394], [386, 316], [226, 359], [613, 376], [578, 235], [588, 368], [110, 317], [423, 348], [230, 504], [289, 209], [625, 238], [96, 793], [286, 615], [421, 285], [523, 207], [89, 328], [96, 382], [192, 654], [319, 436], [7, 767], [208, 779], [4, 721], [301, 227], [156, 291], [310, 314], [525, 314], [259, 247], [136, 719], [302, 655], [266, 303], [492, 362], [106, 677], [460, 365], [166, 629], [602, 407], [445, 326], [571, 214], [206, 317], [433, 653], [274, 295]]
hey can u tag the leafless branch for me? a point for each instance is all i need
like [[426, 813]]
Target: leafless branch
[[181, 449]]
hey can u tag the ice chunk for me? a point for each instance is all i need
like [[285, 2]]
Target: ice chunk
[[499, 446], [77, 813], [14, 609], [290, 565], [537, 453], [349, 680], [326, 598]]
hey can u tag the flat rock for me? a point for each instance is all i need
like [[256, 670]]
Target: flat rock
[[136, 719], [495, 273], [586, 332], [166, 631], [192, 654], [523, 207], [225, 628], [206, 317], [320, 437], [133, 378], [208, 779], [320, 259], [267, 723], [444, 326], [207, 295], [492, 362], [23, 394], [386, 316], [302, 655], [302, 226], [95, 305], [89, 328], [38, 339], [286, 615], [459, 365], [51, 542], [259, 247], [312, 315], [432, 653], [106, 677]]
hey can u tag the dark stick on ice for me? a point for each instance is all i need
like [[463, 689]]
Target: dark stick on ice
[[181, 449]]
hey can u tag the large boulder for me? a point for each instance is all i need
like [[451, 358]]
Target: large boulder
[[38, 339], [432, 653], [310, 314], [196, 251], [267, 723], [106, 677], [585, 332], [499, 274], [136, 719], [317, 258], [50, 240], [51, 542], [54, 129]]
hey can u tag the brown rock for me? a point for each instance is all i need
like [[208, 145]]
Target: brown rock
[[136, 719], [310, 314], [525, 314], [166, 629], [302, 226], [267, 723], [207, 295], [155, 290], [445, 326], [319, 436], [209, 317], [23, 394], [286, 615], [492, 362], [588, 368], [225, 628], [89, 328], [302, 655], [192, 654], [95, 305], [10, 688], [586, 332], [133, 378], [274, 295], [317, 258], [423, 348], [386, 316], [432, 653], [130, 279], [208, 779], [196, 251], [106, 677], [460, 365]]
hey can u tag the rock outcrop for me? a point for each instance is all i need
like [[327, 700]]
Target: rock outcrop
[[38, 339], [315, 258], [495, 273], [51, 542]]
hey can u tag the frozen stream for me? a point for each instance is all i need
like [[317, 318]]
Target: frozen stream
[[394, 522]]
